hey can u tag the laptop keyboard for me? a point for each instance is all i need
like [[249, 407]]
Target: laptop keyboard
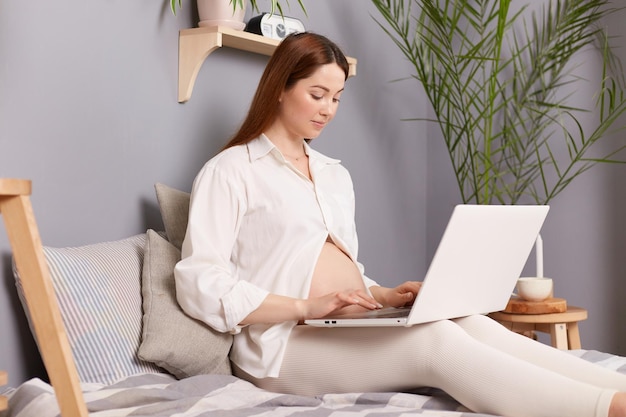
[[391, 312]]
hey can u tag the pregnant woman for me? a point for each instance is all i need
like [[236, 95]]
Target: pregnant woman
[[271, 241]]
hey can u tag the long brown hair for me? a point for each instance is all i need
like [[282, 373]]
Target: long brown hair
[[296, 57]]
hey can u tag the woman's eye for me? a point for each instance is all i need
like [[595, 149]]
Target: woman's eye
[[316, 97]]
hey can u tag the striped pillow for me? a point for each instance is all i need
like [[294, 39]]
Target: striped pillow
[[99, 292]]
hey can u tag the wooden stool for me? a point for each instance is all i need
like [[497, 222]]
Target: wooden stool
[[54, 346], [562, 327]]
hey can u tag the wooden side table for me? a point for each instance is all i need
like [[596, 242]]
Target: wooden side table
[[4, 379], [562, 327]]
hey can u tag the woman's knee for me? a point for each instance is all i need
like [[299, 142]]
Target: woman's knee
[[440, 345], [481, 327], [441, 335], [477, 321]]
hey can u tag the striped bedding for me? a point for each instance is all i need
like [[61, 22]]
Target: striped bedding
[[152, 395]]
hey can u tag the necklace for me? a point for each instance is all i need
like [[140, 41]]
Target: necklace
[[298, 158]]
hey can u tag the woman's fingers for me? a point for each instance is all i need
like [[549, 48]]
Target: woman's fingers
[[412, 286], [404, 294], [334, 303], [363, 299]]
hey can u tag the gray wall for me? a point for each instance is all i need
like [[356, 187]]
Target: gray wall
[[88, 111]]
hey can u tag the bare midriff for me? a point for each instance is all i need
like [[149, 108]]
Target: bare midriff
[[335, 271]]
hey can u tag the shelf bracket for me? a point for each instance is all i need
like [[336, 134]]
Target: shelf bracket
[[192, 51]]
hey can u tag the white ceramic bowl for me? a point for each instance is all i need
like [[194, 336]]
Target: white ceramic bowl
[[534, 288]]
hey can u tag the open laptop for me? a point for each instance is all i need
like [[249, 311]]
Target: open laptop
[[474, 271]]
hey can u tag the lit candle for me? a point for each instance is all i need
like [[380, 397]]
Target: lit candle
[[539, 255]]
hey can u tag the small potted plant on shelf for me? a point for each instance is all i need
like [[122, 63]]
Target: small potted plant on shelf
[[229, 12]]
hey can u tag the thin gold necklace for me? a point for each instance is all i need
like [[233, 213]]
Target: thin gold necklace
[[298, 158]]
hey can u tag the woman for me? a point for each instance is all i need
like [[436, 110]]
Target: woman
[[271, 241]]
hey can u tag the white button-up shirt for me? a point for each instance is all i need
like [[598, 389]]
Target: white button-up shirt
[[257, 226]]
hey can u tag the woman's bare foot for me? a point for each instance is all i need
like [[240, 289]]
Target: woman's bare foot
[[618, 405]]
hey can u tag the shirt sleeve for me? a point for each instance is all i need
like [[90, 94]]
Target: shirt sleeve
[[206, 286]]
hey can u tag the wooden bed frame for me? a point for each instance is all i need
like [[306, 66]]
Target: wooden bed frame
[[21, 227]]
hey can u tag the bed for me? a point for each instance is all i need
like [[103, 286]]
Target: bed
[[227, 396], [115, 342]]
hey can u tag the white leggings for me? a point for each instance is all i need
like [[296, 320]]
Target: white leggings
[[484, 366]]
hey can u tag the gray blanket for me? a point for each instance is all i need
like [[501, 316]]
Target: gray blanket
[[161, 395]]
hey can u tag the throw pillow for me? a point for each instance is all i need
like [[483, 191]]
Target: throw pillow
[[174, 207], [171, 339], [99, 294]]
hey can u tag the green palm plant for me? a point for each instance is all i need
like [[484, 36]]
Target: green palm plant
[[498, 83]]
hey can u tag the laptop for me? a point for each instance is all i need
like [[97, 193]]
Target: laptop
[[481, 255]]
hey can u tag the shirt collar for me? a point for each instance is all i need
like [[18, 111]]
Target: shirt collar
[[261, 146]]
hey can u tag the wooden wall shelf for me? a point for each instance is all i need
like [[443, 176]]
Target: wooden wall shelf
[[195, 45]]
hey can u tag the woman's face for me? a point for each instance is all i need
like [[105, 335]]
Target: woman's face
[[311, 103]]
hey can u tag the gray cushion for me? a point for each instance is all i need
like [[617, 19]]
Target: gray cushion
[[171, 339], [174, 206]]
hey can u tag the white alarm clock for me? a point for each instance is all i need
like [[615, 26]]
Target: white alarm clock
[[274, 26]]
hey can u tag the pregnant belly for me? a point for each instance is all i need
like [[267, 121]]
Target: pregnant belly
[[335, 271]]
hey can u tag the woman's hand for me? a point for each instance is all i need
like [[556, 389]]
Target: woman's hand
[[400, 296], [335, 302], [278, 308]]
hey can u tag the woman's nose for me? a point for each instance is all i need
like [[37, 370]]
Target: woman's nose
[[327, 108]]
